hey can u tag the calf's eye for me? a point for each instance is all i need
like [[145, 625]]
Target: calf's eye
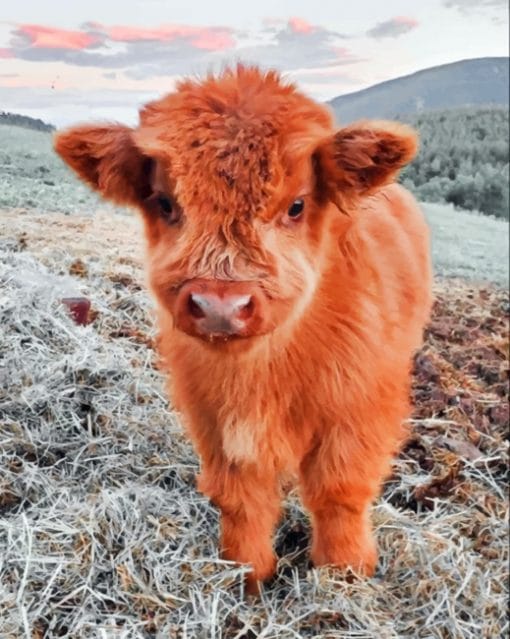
[[296, 208], [168, 210], [165, 204]]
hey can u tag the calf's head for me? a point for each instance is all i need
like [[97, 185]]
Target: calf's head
[[238, 179]]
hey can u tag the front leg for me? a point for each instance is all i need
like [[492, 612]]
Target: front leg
[[249, 501], [342, 532], [246, 492], [340, 479]]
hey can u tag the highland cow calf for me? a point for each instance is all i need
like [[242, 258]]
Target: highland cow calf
[[293, 283]]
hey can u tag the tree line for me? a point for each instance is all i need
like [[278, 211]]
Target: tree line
[[463, 159], [25, 121]]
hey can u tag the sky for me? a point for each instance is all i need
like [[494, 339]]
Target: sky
[[102, 59]]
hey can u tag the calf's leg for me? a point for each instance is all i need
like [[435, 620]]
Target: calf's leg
[[249, 501], [340, 479], [342, 534]]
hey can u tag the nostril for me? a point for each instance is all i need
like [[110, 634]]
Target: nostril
[[244, 307], [194, 307]]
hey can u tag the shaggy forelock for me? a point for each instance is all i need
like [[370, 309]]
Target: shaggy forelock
[[225, 140]]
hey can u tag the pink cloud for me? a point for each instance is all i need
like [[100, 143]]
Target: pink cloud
[[132, 34], [163, 49], [298, 25], [50, 38], [209, 38], [92, 34], [213, 41], [120, 33], [406, 21]]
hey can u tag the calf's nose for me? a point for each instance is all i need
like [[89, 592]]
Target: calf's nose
[[215, 314], [209, 308], [219, 309]]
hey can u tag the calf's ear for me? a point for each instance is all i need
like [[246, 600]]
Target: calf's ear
[[364, 156], [106, 158]]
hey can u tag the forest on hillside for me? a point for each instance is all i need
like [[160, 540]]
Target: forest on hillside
[[463, 159], [25, 121]]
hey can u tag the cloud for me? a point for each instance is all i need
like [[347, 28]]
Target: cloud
[[298, 44], [393, 28], [465, 6], [298, 25], [141, 52], [39, 37], [172, 49], [209, 38]]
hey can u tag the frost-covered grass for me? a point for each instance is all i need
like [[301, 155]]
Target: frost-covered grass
[[469, 245], [33, 176], [102, 532]]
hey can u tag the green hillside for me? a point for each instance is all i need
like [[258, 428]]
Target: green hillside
[[463, 159]]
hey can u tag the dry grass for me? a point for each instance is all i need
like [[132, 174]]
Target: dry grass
[[102, 533]]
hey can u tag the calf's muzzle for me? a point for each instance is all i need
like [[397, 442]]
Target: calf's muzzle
[[212, 309]]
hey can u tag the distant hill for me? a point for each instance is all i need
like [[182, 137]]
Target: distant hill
[[477, 82], [25, 121]]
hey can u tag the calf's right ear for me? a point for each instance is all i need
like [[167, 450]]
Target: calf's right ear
[[106, 158]]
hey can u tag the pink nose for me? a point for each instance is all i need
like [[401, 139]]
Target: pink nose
[[215, 314], [217, 308]]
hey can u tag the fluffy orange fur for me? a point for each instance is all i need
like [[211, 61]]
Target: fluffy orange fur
[[318, 385]]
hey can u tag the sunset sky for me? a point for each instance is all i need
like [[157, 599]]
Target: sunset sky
[[101, 59]]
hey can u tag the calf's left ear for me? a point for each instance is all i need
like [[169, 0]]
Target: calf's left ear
[[106, 158], [366, 155]]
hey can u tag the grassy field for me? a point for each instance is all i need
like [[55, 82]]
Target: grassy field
[[468, 245], [102, 532], [34, 177]]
